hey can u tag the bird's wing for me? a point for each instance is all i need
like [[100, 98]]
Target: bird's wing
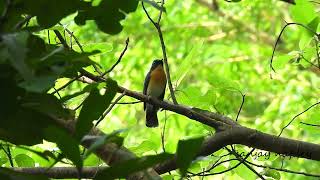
[[145, 87], [162, 95]]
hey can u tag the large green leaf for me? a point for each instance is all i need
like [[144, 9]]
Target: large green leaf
[[186, 152], [24, 160], [86, 89], [272, 173], [19, 125], [17, 47], [107, 14], [23, 115], [123, 169], [46, 10], [47, 104], [66, 143], [94, 106], [303, 12]]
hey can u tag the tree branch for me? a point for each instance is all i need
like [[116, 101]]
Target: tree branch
[[228, 131], [163, 47], [62, 172], [251, 138]]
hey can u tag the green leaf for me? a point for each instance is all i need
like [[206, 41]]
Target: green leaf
[[66, 143], [17, 48], [144, 146], [272, 173], [107, 14], [113, 137], [186, 152], [3, 158], [22, 124], [47, 104], [94, 106], [59, 61], [46, 10], [303, 12], [242, 171], [24, 160], [280, 61], [125, 168], [155, 5], [86, 89], [307, 35], [39, 84], [7, 174], [188, 62]]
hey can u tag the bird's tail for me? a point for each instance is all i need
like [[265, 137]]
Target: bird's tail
[[151, 116]]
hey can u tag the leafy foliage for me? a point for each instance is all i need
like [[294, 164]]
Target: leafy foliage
[[123, 169], [94, 106], [212, 56], [186, 152]]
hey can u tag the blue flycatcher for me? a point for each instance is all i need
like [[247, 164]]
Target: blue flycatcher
[[154, 86]]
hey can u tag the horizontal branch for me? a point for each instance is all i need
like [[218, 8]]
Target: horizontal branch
[[229, 132], [61, 172], [289, 1], [252, 138], [110, 153], [218, 124], [235, 135]]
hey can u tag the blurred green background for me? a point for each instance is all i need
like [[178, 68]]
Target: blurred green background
[[213, 56]]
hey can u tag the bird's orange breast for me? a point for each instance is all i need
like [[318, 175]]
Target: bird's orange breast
[[158, 75], [157, 82]]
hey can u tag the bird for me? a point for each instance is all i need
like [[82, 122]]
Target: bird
[[154, 86]]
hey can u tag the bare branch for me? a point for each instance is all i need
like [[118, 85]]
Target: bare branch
[[298, 116], [279, 36], [284, 170], [119, 59], [163, 47], [110, 108], [62, 172], [308, 124]]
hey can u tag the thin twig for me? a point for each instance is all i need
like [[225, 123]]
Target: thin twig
[[308, 124], [283, 170], [48, 35], [163, 132], [239, 111], [78, 43], [240, 160], [163, 47], [279, 36], [317, 51], [119, 59], [161, 11], [24, 21], [109, 109], [78, 106], [61, 39], [8, 153], [214, 165], [227, 170], [312, 64], [67, 84], [134, 102], [57, 92], [297, 116]]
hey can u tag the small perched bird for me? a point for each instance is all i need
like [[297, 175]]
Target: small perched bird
[[155, 86]]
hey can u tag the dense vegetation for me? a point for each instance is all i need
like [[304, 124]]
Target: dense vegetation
[[64, 66]]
